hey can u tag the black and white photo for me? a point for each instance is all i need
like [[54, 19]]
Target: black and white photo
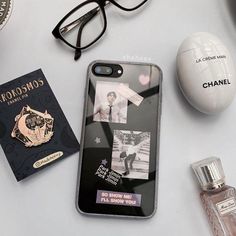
[[131, 154], [109, 105]]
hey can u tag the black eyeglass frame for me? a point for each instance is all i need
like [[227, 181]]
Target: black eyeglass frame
[[101, 3]]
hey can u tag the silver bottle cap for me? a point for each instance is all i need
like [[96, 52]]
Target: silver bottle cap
[[210, 173]]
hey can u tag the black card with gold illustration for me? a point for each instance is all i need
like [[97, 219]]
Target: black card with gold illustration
[[34, 132]]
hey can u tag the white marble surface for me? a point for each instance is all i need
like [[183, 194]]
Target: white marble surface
[[44, 204]]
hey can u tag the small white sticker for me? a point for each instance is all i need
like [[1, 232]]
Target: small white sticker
[[226, 206], [97, 140], [129, 94]]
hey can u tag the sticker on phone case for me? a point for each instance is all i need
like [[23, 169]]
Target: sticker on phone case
[[131, 153], [109, 105], [118, 198], [144, 79], [110, 176], [130, 94], [97, 140]]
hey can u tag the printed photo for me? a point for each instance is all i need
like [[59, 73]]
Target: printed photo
[[109, 105], [131, 154]]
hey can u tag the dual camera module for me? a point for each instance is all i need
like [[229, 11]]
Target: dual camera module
[[107, 70]]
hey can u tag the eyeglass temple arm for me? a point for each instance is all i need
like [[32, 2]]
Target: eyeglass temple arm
[[78, 53], [78, 21], [78, 41]]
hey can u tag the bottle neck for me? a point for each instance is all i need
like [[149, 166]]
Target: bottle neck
[[214, 187]]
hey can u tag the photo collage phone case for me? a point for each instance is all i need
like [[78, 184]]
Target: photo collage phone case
[[118, 170]]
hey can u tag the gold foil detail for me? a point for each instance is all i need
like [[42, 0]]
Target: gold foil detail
[[32, 127], [47, 159]]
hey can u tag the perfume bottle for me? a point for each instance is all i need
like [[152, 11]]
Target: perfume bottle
[[219, 200]]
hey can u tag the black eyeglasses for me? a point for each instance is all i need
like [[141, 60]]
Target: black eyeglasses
[[86, 23]]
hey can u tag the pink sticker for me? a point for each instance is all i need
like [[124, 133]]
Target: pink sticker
[[144, 79]]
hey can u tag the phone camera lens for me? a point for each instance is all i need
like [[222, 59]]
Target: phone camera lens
[[103, 70], [97, 70], [108, 70]]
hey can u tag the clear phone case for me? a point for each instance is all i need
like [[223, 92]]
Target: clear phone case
[[118, 168]]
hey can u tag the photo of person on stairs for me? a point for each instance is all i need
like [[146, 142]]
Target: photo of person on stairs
[[130, 153]]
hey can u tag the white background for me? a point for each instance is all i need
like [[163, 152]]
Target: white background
[[43, 205]]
